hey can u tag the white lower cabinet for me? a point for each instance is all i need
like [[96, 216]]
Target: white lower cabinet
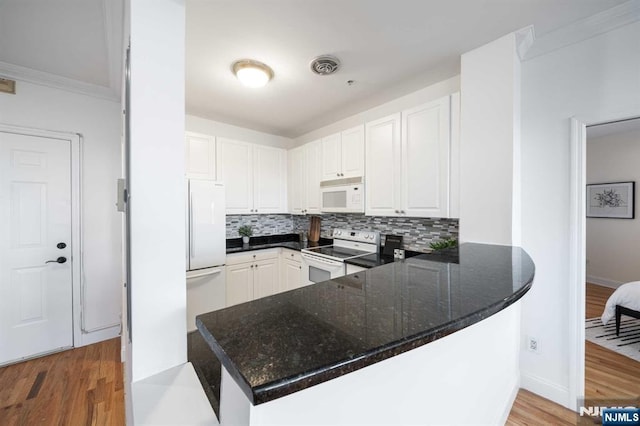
[[290, 270], [252, 275]]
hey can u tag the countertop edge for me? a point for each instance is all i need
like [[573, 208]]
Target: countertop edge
[[270, 392]]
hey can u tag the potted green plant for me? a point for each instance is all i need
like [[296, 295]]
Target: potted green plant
[[446, 245], [245, 232]]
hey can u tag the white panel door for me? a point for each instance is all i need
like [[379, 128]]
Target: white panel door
[[235, 170], [269, 179], [35, 216], [200, 154], [266, 278], [296, 185], [425, 160], [207, 224], [353, 152], [313, 151], [331, 161], [383, 165]]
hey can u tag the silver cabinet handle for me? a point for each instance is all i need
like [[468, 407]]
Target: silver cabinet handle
[[397, 211]]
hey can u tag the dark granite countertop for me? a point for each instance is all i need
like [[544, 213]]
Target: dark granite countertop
[[378, 259], [287, 342], [289, 241]]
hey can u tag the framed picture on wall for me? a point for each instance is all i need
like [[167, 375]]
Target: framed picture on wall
[[611, 200]]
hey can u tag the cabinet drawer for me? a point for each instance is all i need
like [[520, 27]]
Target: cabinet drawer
[[252, 256], [291, 255]]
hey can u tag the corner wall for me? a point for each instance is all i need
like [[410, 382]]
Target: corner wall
[[595, 78], [612, 244], [98, 120]]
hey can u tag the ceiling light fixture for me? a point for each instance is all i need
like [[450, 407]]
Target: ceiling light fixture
[[252, 73]]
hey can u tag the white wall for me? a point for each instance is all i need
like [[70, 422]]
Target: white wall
[[98, 121], [489, 137], [612, 244], [216, 128], [595, 78], [427, 94], [158, 285]]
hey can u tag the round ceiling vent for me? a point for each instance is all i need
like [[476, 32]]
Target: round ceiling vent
[[325, 65]]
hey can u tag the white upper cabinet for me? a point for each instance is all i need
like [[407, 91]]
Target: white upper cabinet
[[235, 169], [382, 187], [343, 154], [425, 160], [269, 179], [331, 157], [200, 155], [305, 173], [254, 177], [297, 170], [313, 176], [408, 161], [352, 152]]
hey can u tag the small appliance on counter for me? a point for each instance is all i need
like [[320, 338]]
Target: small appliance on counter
[[206, 248]]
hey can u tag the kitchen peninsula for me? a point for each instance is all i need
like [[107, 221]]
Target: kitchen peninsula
[[413, 341]]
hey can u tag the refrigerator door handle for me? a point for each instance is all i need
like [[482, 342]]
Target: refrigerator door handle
[[192, 249], [204, 274]]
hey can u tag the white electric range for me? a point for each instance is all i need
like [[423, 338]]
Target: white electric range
[[327, 262]]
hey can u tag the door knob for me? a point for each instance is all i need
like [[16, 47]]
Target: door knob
[[61, 245], [61, 259]]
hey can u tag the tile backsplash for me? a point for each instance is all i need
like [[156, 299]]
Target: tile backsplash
[[263, 224], [417, 233]]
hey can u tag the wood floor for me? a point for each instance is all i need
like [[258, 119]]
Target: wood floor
[[84, 386], [81, 386], [607, 375]]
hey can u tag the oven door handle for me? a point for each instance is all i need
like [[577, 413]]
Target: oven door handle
[[319, 259]]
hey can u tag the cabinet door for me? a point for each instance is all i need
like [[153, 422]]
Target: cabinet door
[[265, 278], [296, 181], [291, 275], [200, 154], [331, 161], [235, 169], [425, 160], [353, 152], [383, 162], [269, 179], [239, 283], [313, 152]]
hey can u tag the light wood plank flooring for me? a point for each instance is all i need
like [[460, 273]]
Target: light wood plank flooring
[[607, 375], [82, 386]]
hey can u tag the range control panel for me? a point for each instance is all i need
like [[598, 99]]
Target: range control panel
[[353, 235]]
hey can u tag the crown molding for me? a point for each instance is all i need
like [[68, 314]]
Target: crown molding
[[29, 75], [600, 23], [525, 37]]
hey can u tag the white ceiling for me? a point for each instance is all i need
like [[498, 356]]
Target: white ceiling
[[75, 43], [389, 47], [598, 131]]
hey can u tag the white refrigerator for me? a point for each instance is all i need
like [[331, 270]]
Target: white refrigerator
[[206, 248]]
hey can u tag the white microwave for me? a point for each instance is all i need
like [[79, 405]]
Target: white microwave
[[342, 195]]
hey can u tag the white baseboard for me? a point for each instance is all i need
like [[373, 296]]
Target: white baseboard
[[509, 406], [98, 336], [604, 281], [546, 389]]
